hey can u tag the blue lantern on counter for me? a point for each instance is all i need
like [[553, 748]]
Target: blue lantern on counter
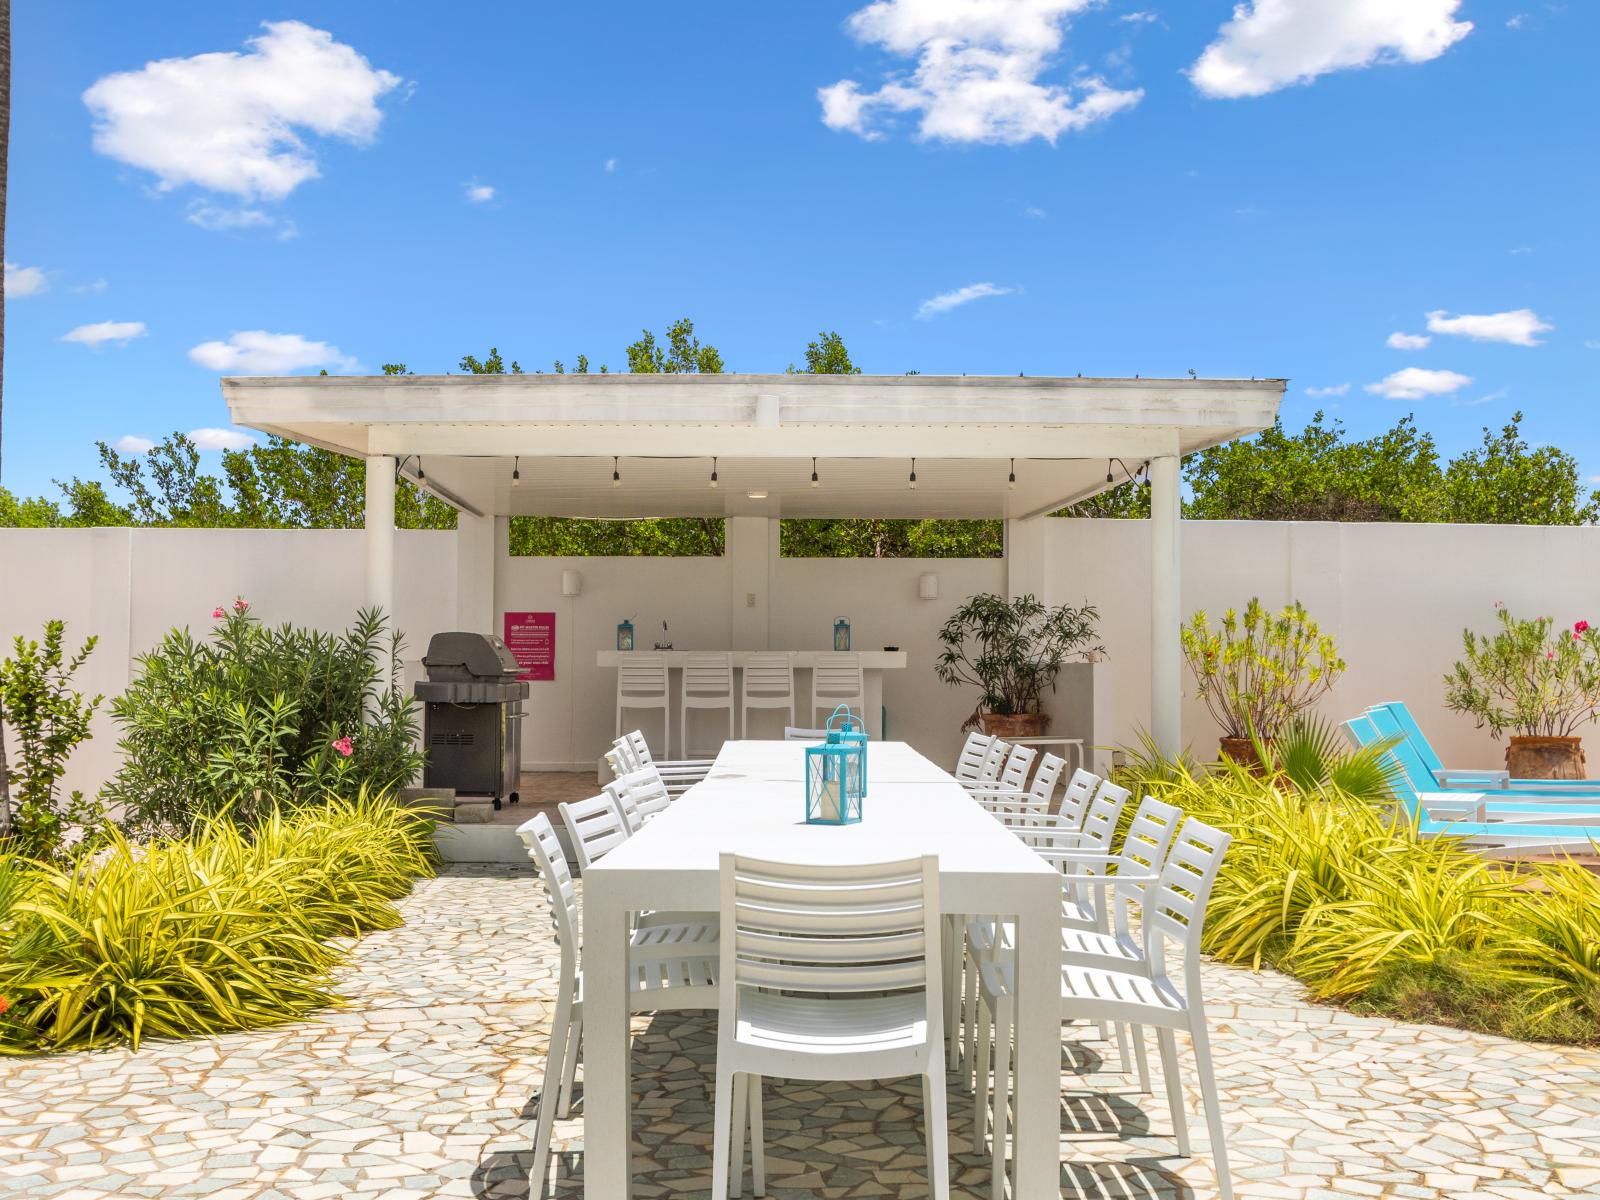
[[625, 636], [835, 776], [841, 636], [842, 728]]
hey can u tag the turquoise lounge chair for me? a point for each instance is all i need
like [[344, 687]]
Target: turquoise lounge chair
[[1517, 823], [1396, 718]]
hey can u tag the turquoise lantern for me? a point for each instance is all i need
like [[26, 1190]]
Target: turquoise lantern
[[835, 780], [842, 728], [625, 635], [841, 636]]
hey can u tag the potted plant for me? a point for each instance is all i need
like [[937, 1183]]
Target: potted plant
[[1011, 651], [1256, 672], [1539, 684]]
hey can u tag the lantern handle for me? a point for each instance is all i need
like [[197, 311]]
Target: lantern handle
[[848, 726]]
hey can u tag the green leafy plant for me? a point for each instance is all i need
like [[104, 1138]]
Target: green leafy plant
[[49, 719], [1527, 677], [1312, 757], [223, 929], [1256, 671], [255, 716], [1013, 650]]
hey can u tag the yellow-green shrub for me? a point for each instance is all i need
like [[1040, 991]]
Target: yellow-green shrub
[[220, 930]]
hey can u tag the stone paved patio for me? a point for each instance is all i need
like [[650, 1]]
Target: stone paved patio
[[421, 1088]]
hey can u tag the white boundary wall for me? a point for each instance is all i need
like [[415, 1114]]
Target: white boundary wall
[[1396, 597]]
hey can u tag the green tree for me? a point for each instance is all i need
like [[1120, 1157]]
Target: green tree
[[1506, 482], [492, 365], [827, 356], [682, 355]]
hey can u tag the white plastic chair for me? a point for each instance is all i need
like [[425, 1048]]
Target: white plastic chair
[[792, 734], [827, 973], [639, 797], [669, 968], [679, 775], [707, 683], [1076, 795], [838, 679], [767, 681], [642, 684], [1012, 776], [969, 764], [595, 826], [1173, 910]]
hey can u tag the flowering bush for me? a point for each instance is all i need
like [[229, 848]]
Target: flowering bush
[[253, 716], [1257, 672], [1527, 677]]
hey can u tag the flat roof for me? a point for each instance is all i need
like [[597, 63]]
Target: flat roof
[[666, 433]]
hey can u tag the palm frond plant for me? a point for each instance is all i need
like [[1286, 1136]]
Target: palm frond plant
[[1310, 754], [1013, 650]]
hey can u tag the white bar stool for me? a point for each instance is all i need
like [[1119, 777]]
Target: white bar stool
[[641, 684], [768, 683], [707, 683], [838, 679]]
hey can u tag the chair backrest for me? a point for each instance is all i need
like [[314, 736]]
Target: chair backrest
[[1100, 822], [1407, 726], [544, 847], [640, 751], [792, 733], [768, 676], [1043, 786], [709, 675], [969, 764], [1143, 852], [639, 797], [994, 760], [1175, 908], [1402, 753], [838, 675], [595, 827], [1015, 773], [1075, 799], [642, 676], [831, 930]]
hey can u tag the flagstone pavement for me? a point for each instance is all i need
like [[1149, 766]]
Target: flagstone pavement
[[422, 1086]]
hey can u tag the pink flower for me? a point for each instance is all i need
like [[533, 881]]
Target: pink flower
[[1549, 653], [240, 605], [217, 614], [344, 747], [5, 1005], [1580, 627]]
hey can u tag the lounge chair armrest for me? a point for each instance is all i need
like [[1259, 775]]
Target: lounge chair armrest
[[1473, 779]]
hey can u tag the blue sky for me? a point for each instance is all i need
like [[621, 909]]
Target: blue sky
[[1048, 186]]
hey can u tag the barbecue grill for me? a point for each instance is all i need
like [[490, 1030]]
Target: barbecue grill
[[471, 721]]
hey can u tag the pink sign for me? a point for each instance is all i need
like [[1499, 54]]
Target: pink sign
[[532, 638]]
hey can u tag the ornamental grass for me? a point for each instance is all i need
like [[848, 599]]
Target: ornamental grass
[[223, 929], [1344, 894]]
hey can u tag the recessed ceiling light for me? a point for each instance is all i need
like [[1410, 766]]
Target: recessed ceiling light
[[756, 495]]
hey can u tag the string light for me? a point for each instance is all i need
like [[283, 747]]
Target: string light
[[616, 474], [814, 481], [913, 480], [421, 474], [713, 471], [1011, 479], [516, 471]]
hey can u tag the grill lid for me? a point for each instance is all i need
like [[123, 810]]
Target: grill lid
[[467, 657]]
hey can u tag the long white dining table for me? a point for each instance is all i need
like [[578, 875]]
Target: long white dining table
[[753, 802]]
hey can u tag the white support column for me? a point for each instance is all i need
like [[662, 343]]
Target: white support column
[[1166, 659], [379, 536], [475, 565]]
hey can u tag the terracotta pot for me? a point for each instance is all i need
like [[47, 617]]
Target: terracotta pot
[[1243, 752], [1545, 758], [1014, 725]]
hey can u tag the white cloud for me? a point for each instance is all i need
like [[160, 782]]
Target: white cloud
[[219, 218], [1417, 383], [1034, 211], [95, 287], [230, 121], [1141, 18], [1271, 44], [1592, 344], [257, 352], [977, 73], [478, 193], [1516, 20], [133, 443], [1408, 341], [1486, 398], [1337, 389], [611, 164], [220, 439], [101, 332], [945, 301], [1515, 328], [24, 281]]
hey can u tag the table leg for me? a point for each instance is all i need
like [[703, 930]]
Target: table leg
[[607, 1094], [1037, 1088], [874, 714]]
